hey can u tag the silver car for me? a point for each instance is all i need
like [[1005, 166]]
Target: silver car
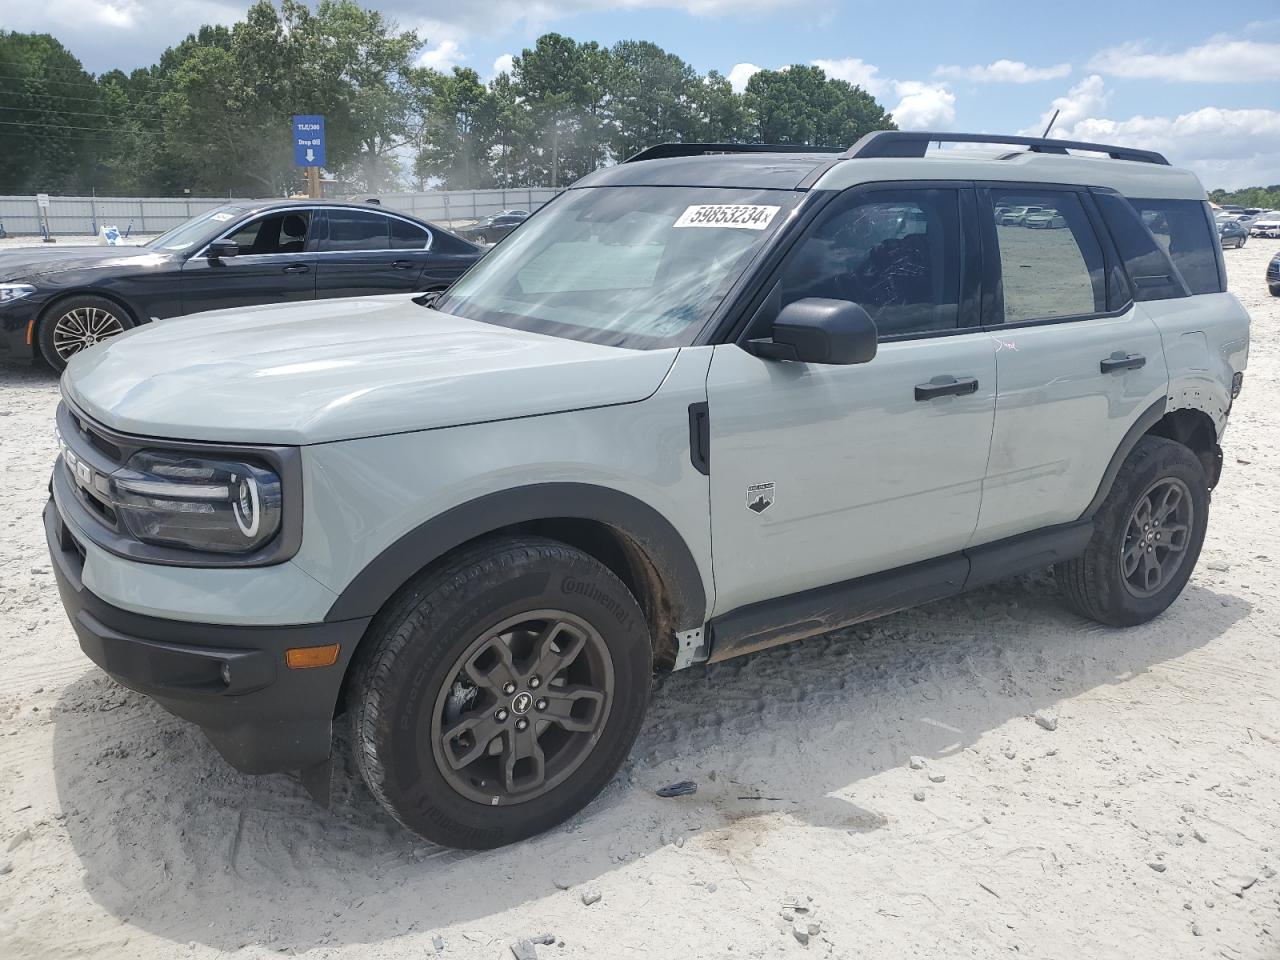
[[655, 428]]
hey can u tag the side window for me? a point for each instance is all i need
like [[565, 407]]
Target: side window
[[1051, 263], [275, 233], [442, 242], [356, 230], [1151, 273], [408, 236], [896, 253], [1182, 228]]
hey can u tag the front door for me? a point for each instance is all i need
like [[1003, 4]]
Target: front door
[[821, 474], [275, 264]]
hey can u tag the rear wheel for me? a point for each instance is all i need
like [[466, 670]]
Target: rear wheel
[[501, 693], [78, 323], [1147, 537]]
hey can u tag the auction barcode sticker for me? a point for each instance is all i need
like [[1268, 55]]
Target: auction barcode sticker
[[745, 216]]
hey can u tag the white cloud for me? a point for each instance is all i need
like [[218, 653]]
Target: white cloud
[[1085, 99], [740, 74], [1219, 60], [858, 72], [1226, 148], [923, 106], [1005, 71], [503, 64], [445, 55]]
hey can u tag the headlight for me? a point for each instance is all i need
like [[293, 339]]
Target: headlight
[[15, 291], [199, 503]]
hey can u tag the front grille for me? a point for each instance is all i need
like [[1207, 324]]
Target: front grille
[[87, 461]]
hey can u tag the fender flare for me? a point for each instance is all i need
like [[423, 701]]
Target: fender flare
[[650, 530], [1146, 420]]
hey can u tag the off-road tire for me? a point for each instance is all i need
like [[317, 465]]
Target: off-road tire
[[46, 328], [1094, 584], [414, 644]]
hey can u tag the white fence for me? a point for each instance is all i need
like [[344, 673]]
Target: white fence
[[79, 216]]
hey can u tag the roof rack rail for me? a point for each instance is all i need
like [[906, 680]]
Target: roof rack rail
[[904, 143], [662, 151]]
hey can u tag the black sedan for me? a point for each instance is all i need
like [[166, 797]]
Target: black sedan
[[1232, 233], [57, 301], [494, 228]]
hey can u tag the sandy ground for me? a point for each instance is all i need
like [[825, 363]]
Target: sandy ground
[[1146, 825]]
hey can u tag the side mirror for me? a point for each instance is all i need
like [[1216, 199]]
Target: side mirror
[[817, 330], [221, 249]]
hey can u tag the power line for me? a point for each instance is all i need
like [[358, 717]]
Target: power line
[[53, 96], [79, 113]]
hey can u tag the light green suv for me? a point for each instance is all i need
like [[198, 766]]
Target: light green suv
[[710, 400]]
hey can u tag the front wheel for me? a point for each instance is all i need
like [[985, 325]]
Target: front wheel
[[76, 324], [1146, 539], [501, 692]]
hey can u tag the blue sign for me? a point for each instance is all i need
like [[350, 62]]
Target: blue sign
[[308, 141]]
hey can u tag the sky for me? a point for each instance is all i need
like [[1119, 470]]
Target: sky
[[1198, 81]]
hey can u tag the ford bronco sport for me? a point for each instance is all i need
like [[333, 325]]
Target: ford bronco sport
[[702, 403]]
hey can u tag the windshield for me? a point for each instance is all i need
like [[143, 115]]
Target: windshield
[[640, 267], [196, 230]]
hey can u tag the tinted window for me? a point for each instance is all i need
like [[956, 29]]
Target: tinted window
[[356, 230], [1050, 259], [1151, 274], [408, 236], [896, 253], [447, 243], [277, 233], [1182, 228]]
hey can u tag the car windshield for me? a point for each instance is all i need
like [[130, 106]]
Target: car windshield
[[640, 267], [196, 230]]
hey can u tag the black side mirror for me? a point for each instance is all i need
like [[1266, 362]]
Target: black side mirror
[[817, 330], [221, 249]]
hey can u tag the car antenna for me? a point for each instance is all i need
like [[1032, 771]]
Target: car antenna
[[1052, 121]]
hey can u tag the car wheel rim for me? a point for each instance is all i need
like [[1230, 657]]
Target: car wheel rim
[[1156, 538], [523, 707], [82, 327]]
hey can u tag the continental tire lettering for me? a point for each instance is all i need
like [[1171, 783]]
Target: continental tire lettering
[[592, 592]]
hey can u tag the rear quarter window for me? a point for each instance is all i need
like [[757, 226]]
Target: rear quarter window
[[1183, 229], [1152, 275]]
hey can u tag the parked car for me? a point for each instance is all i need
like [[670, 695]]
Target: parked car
[[1266, 225], [56, 302], [1232, 233], [675, 424], [1046, 219], [1273, 275], [1016, 216], [494, 228]]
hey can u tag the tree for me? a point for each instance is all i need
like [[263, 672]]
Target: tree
[[562, 84], [652, 98], [799, 104], [51, 122], [456, 133]]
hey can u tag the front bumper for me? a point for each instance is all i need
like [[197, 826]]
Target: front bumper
[[231, 681], [17, 329]]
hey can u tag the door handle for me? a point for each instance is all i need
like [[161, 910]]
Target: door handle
[[946, 386], [1122, 361], [296, 268], [402, 264]]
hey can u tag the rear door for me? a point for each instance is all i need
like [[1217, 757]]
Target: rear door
[[363, 252], [1077, 362], [821, 473], [276, 264]]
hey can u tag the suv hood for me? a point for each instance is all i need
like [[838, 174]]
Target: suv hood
[[24, 263], [330, 370]]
